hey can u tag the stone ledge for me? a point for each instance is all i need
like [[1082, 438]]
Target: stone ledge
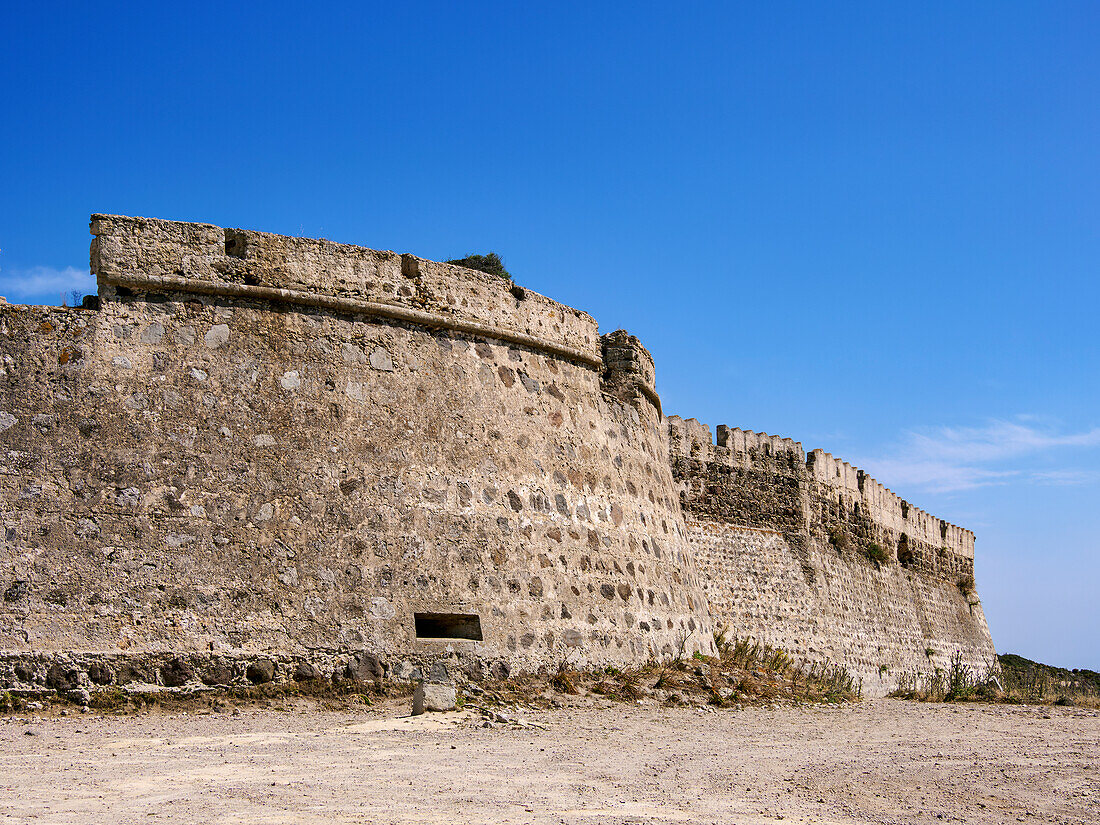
[[431, 320]]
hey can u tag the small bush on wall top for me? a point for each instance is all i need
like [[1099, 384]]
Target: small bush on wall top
[[490, 263]]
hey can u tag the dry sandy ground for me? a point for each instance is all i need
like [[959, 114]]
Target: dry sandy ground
[[880, 761]]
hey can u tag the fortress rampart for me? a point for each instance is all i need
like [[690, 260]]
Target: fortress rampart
[[255, 457], [810, 554], [831, 478]]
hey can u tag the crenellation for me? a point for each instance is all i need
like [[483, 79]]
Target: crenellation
[[833, 523], [690, 438], [745, 448], [887, 507]]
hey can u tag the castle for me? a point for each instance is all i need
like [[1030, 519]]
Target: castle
[[258, 458]]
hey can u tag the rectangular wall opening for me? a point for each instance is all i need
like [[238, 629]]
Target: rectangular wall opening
[[448, 626]]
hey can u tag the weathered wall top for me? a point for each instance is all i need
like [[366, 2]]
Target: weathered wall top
[[628, 368], [740, 448], [196, 257], [890, 509]]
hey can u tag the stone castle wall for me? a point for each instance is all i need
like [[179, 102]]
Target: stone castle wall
[[812, 555], [265, 449], [256, 457]]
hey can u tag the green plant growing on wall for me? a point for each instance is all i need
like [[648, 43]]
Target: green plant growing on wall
[[966, 584], [838, 538], [491, 263], [877, 553]]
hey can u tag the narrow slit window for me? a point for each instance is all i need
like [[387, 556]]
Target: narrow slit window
[[448, 626]]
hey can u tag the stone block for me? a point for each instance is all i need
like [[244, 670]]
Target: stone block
[[434, 697]]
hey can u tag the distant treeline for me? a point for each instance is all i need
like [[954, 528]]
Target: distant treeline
[[1013, 680], [1021, 671]]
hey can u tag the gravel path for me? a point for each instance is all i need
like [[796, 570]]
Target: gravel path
[[882, 761]]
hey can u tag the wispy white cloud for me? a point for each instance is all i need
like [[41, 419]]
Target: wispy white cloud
[[932, 475], [1066, 477], [996, 440], [45, 282], [946, 459]]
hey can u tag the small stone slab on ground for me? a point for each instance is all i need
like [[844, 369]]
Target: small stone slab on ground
[[432, 696]]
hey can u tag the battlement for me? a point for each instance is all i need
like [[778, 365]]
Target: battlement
[[732, 446], [886, 507], [172, 256], [838, 479], [689, 438]]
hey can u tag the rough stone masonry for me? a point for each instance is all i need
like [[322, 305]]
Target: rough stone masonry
[[257, 458]]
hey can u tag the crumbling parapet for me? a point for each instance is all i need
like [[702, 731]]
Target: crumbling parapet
[[628, 371]]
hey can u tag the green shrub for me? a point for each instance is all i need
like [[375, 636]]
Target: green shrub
[[110, 699], [491, 263], [961, 679], [877, 553], [721, 641]]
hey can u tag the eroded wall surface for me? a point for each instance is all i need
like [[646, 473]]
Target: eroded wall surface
[[809, 554], [261, 456]]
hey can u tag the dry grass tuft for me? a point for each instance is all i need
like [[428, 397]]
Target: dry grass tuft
[[1010, 679], [744, 672]]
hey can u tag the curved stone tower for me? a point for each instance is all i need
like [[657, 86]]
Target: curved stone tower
[[258, 448]]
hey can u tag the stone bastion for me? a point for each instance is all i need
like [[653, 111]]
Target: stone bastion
[[255, 458], [326, 459]]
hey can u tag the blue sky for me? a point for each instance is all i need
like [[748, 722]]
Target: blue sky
[[872, 227]]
